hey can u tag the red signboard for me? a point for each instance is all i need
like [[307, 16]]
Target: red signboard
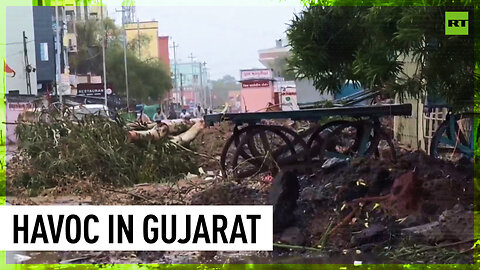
[[255, 84], [19, 106]]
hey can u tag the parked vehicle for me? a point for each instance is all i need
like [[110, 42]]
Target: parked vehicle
[[84, 109]]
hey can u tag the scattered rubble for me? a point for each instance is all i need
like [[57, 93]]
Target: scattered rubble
[[368, 210]]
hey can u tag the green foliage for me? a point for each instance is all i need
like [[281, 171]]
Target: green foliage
[[400, 50], [147, 80], [89, 45], [422, 3], [95, 148], [221, 87], [138, 44]]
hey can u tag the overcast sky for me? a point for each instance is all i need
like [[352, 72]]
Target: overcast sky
[[226, 37]]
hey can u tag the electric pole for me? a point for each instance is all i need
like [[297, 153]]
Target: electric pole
[[57, 56], [28, 68], [202, 77], [104, 39], [209, 88], [181, 89], [138, 38], [175, 46], [125, 51], [193, 76]]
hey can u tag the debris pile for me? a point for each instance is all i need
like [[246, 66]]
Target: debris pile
[[375, 205], [366, 209]]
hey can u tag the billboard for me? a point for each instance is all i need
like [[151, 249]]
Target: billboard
[[256, 74], [92, 89]]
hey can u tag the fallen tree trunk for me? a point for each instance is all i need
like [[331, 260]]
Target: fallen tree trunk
[[189, 135], [162, 130], [175, 125]]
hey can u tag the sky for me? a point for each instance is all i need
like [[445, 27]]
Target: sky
[[226, 37]]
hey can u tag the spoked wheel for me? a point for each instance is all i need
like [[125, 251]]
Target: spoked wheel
[[349, 139], [316, 141], [455, 138], [261, 148], [230, 149], [379, 140]]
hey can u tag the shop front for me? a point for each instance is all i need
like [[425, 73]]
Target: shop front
[[257, 93]]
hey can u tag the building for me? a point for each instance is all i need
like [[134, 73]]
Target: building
[[148, 46], [20, 51], [45, 47], [163, 54], [191, 82], [74, 14], [257, 92], [276, 59]]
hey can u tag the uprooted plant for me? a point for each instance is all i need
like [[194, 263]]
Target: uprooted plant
[[96, 148]]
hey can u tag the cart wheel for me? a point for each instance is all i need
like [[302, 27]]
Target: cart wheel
[[379, 135], [349, 139], [230, 148], [455, 138], [270, 147], [316, 141]]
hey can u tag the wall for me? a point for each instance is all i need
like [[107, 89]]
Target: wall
[[163, 51], [19, 19], [149, 29], [408, 130], [256, 98], [306, 92]]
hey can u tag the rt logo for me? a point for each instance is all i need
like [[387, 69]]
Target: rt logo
[[456, 23]]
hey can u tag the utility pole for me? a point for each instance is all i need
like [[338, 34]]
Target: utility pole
[[57, 56], [181, 89], [175, 46], [204, 92], [103, 54], [193, 75], [138, 39], [210, 89], [28, 68], [125, 53]]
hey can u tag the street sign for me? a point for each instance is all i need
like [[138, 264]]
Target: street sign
[[92, 89]]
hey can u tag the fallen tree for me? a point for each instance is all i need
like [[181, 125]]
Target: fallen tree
[[157, 131], [98, 148], [136, 130]]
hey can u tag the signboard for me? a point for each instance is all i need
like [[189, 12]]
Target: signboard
[[256, 74], [92, 89], [289, 99], [279, 85], [255, 84], [19, 106]]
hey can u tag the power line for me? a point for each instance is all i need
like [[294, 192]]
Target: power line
[[12, 43]]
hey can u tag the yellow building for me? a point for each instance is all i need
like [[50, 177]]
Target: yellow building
[[148, 29]]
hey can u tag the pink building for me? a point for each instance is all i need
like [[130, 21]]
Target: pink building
[[257, 89]]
